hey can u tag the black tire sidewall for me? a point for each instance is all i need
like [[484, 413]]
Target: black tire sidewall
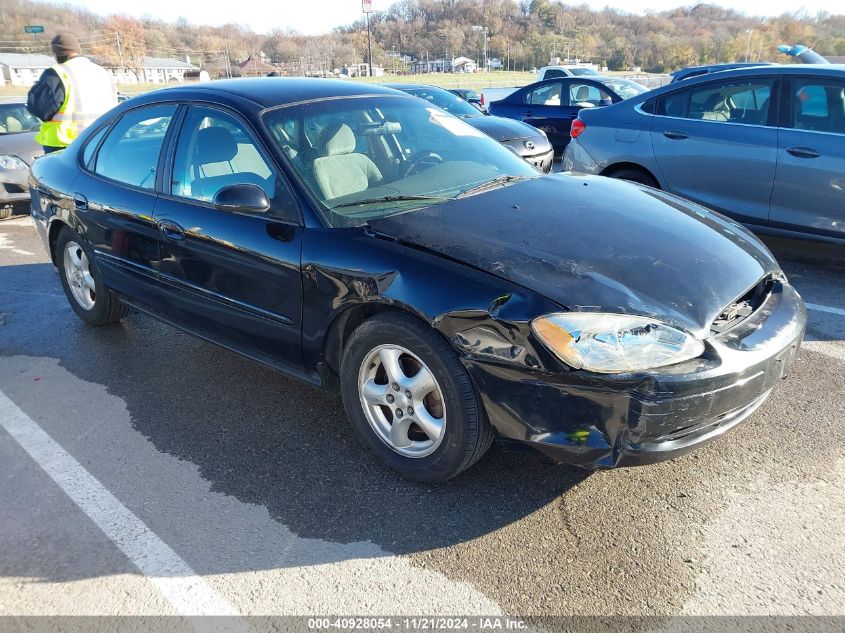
[[99, 314], [464, 415]]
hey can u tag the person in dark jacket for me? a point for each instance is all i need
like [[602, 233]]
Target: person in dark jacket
[[70, 95]]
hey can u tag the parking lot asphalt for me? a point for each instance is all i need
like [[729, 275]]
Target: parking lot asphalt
[[143, 471]]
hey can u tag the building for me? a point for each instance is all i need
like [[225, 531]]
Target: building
[[23, 69], [154, 70], [361, 70], [463, 65], [252, 67]]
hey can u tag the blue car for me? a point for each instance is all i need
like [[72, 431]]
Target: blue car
[[764, 145], [551, 105]]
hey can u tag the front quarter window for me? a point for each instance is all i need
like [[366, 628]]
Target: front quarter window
[[365, 158]]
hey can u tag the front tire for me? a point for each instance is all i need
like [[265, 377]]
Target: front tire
[[410, 400], [89, 297]]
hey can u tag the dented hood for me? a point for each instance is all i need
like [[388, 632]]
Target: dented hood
[[594, 243]]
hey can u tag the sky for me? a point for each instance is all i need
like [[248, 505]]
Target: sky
[[319, 16]]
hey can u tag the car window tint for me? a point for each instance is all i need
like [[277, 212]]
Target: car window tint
[[585, 95], [91, 146], [215, 151], [674, 104], [746, 103], [544, 95], [14, 118], [130, 152], [819, 105]]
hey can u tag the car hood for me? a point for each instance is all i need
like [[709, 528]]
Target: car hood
[[22, 145], [595, 243], [503, 129]]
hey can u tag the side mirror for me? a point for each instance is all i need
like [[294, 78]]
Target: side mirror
[[243, 197]]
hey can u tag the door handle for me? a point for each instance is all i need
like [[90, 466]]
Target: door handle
[[803, 152], [171, 230], [80, 201], [529, 113], [675, 136]]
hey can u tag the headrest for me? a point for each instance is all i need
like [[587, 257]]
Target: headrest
[[215, 145], [13, 125], [583, 93], [338, 139]]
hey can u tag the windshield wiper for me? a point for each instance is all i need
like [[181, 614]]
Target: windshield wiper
[[393, 198], [490, 184]]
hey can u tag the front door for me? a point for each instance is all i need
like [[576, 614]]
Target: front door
[[809, 192], [115, 199], [716, 144], [231, 276]]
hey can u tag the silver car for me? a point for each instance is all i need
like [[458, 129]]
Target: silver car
[[764, 145], [17, 151]]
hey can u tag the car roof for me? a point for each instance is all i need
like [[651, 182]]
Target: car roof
[[269, 91], [719, 67], [825, 70], [415, 87], [13, 100]]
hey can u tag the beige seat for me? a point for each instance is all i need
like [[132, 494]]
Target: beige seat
[[341, 171], [582, 97], [13, 125]]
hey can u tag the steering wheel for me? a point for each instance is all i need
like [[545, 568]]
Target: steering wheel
[[424, 157]]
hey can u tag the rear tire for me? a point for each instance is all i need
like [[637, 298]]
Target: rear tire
[[410, 400], [635, 175], [89, 297]]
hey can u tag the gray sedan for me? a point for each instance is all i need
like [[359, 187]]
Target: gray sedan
[[764, 145], [17, 151]]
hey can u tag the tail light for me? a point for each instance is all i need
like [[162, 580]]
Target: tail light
[[577, 127], [481, 100]]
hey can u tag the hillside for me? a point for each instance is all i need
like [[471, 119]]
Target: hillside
[[521, 35]]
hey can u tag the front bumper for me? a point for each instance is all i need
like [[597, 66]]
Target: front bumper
[[606, 421], [543, 161], [14, 192]]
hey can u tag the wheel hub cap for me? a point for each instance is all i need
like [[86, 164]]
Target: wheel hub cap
[[78, 276], [402, 401]]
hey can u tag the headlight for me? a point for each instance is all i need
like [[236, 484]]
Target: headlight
[[12, 162], [614, 343]]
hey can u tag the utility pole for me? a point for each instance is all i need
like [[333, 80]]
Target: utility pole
[[748, 46], [228, 64], [367, 8]]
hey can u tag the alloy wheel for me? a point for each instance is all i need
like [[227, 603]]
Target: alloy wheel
[[78, 275]]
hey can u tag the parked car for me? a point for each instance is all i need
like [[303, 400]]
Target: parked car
[[527, 141], [697, 71], [489, 95], [553, 104], [470, 96], [451, 293], [571, 70], [17, 151], [764, 145]]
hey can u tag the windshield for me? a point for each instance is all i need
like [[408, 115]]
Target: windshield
[[443, 99], [366, 158], [583, 72], [625, 88], [14, 117]]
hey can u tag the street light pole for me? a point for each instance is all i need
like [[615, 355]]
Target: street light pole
[[748, 46], [367, 8]]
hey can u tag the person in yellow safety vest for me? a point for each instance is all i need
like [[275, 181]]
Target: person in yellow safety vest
[[69, 96]]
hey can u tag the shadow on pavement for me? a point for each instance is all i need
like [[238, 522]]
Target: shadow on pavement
[[265, 439]]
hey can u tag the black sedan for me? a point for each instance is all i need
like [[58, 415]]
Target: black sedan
[[530, 143], [363, 240], [551, 105]]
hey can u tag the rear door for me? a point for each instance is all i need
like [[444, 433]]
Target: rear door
[[115, 196], [716, 143], [233, 277], [809, 190]]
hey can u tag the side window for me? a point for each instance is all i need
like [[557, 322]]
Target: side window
[[553, 72], [91, 146], [674, 104], [584, 95], [818, 105], [734, 103], [215, 151], [131, 150], [544, 95]]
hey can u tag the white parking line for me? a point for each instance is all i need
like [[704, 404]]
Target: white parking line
[[180, 585], [828, 309]]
